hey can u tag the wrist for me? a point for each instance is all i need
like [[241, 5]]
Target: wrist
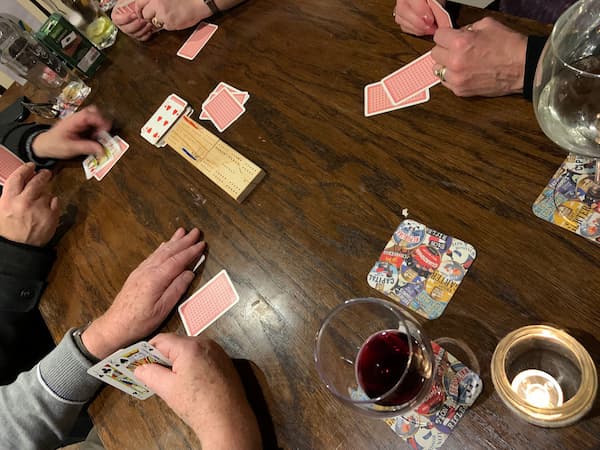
[[40, 146], [519, 62], [230, 429], [97, 341]]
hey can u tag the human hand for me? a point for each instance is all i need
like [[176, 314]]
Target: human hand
[[485, 58], [416, 17], [29, 213], [173, 15], [204, 389], [132, 25], [72, 136], [148, 295]]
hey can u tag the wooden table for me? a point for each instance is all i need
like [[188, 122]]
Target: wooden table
[[306, 238]]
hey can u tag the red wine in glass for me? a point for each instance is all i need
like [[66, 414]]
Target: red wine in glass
[[381, 362]]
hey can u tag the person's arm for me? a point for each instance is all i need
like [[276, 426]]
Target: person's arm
[[535, 45], [18, 138], [39, 408]]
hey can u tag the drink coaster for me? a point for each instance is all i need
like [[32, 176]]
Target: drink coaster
[[455, 389], [566, 202], [421, 268]]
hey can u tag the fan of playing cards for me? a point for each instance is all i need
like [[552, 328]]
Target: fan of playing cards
[[409, 85]]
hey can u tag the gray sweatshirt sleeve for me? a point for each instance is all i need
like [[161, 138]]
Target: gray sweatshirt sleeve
[[39, 408]]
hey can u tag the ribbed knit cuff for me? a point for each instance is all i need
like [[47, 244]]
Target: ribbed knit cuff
[[535, 45], [64, 372], [40, 162]]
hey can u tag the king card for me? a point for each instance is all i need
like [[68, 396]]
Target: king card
[[136, 355], [109, 374]]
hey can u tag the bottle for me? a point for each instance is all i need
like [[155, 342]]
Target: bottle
[[90, 19], [25, 56], [60, 36]]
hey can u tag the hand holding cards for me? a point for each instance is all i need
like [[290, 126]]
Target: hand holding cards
[[118, 369], [113, 149]]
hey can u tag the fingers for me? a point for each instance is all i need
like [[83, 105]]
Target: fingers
[[156, 377], [38, 185], [177, 263], [170, 345], [145, 31], [91, 117], [134, 27], [148, 12], [171, 249], [17, 180], [446, 37], [140, 5], [415, 18], [179, 233], [55, 204], [86, 147], [176, 289]]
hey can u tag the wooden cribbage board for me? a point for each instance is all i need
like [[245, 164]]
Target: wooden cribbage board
[[222, 164]]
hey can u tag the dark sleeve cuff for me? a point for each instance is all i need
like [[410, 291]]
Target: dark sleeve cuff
[[535, 45], [18, 137], [39, 162], [23, 273]]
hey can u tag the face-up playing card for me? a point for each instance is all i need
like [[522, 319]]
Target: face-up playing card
[[442, 18], [110, 148], [163, 119], [197, 40], [207, 304], [9, 162], [109, 374], [136, 355], [377, 101], [123, 146], [118, 369], [223, 109], [410, 79]]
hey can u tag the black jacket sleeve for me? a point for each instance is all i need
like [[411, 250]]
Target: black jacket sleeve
[[535, 45], [18, 137]]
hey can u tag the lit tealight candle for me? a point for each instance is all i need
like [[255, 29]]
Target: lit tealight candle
[[538, 388]]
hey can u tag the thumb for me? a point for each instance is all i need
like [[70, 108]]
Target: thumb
[[87, 147], [156, 377]]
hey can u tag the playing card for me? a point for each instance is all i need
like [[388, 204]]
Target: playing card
[[9, 162], [163, 119], [123, 146], [207, 304], [93, 163], [109, 374], [197, 40], [410, 79], [223, 109], [442, 18], [138, 354], [377, 101]]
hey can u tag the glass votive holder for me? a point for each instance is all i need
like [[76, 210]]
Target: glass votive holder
[[544, 375]]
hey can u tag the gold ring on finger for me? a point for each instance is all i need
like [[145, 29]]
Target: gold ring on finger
[[157, 23]]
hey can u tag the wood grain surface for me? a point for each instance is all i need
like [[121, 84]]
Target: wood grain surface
[[306, 237]]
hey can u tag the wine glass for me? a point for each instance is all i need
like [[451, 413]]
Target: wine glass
[[374, 357], [566, 90]]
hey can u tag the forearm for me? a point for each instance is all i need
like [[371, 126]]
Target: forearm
[[237, 430], [19, 138], [224, 5], [39, 408]]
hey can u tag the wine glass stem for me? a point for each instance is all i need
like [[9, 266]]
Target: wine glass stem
[[597, 176]]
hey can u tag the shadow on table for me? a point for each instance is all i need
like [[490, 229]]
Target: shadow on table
[[247, 371], [592, 345]]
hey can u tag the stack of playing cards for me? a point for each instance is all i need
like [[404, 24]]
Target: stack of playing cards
[[118, 369], [197, 40], [224, 105], [163, 119], [409, 85], [9, 162], [207, 304], [113, 149]]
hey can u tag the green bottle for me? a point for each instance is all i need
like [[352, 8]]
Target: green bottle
[[64, 39]]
